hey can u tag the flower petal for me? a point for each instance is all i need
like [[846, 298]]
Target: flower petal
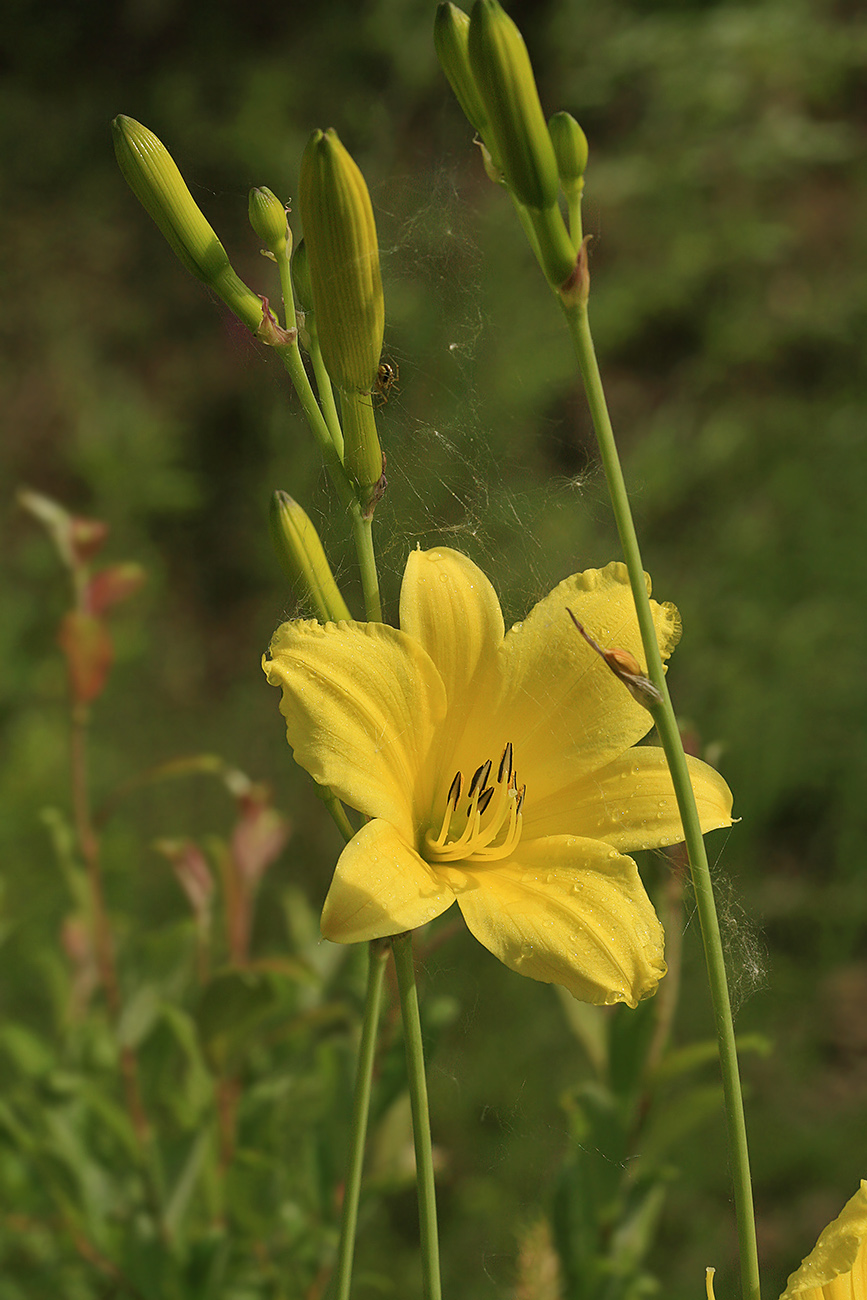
[[566, 712], [630, 803], [362, 704], [381, 886], [567, 911], [836, 1267], [449, 606]]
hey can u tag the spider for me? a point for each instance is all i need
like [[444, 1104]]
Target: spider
[[386, 379]]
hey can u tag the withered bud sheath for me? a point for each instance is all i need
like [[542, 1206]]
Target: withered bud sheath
[[303, 560], [152, 175], [571, 151], [343, 261], [268, 219]]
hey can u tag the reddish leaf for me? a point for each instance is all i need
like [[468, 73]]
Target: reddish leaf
[[112, 585], [192, 872], [87, 537], [259, 835], [85, 641]]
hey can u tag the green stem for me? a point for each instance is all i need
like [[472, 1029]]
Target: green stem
[[378, 956], [663, 715], [573, 205], [362, 531], [338, 812], [427, 1211], [290, 355], [361, 527], [323, 384]]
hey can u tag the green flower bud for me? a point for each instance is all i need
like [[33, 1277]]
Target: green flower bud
[[268, 219], [517, 132], [362, 454], [571, 150], [451, 39], [154, 179], [343, 258], [301, 277], [302, 558]]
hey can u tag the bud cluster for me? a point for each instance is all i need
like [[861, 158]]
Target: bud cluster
[[487, 64]]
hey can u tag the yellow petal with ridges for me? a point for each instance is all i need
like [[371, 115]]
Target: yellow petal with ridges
[[630, 803], [381, 886], [449, 606], [836, 1267], [567, 911], [362, 704], [557, 695]]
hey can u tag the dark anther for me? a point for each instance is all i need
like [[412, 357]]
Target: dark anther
[[477, 778]]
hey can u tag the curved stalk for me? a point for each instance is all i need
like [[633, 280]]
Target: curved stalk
[[669, 733]]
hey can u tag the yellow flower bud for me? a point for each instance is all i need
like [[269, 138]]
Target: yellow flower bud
[[571, 150], [152, 175], [268, 219], [451, 39], [343, 258], [517, 132], [303, 559]]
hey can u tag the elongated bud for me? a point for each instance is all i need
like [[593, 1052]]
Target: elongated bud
[[268, 219], [301, 276], [518, 132], [451, 39], [571, 151], [303, 559], [343, 258], [153, 177]]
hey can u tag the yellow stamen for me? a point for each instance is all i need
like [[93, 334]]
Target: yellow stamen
[[498, 806]]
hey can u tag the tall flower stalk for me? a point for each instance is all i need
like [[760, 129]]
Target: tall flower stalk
[[486, 62]]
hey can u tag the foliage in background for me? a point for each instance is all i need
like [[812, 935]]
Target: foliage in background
[[726, 195]]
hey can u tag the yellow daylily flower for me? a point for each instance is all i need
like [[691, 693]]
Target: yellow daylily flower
[[496, 768], [836, 1267]]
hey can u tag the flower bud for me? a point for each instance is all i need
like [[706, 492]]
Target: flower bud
[[268, 219], [303, 559], [570, 150], [451, 39], [153, 177], [517, 133], [301, 276], [343, 258]]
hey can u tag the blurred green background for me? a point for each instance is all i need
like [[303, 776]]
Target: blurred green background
[[727, 199]]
